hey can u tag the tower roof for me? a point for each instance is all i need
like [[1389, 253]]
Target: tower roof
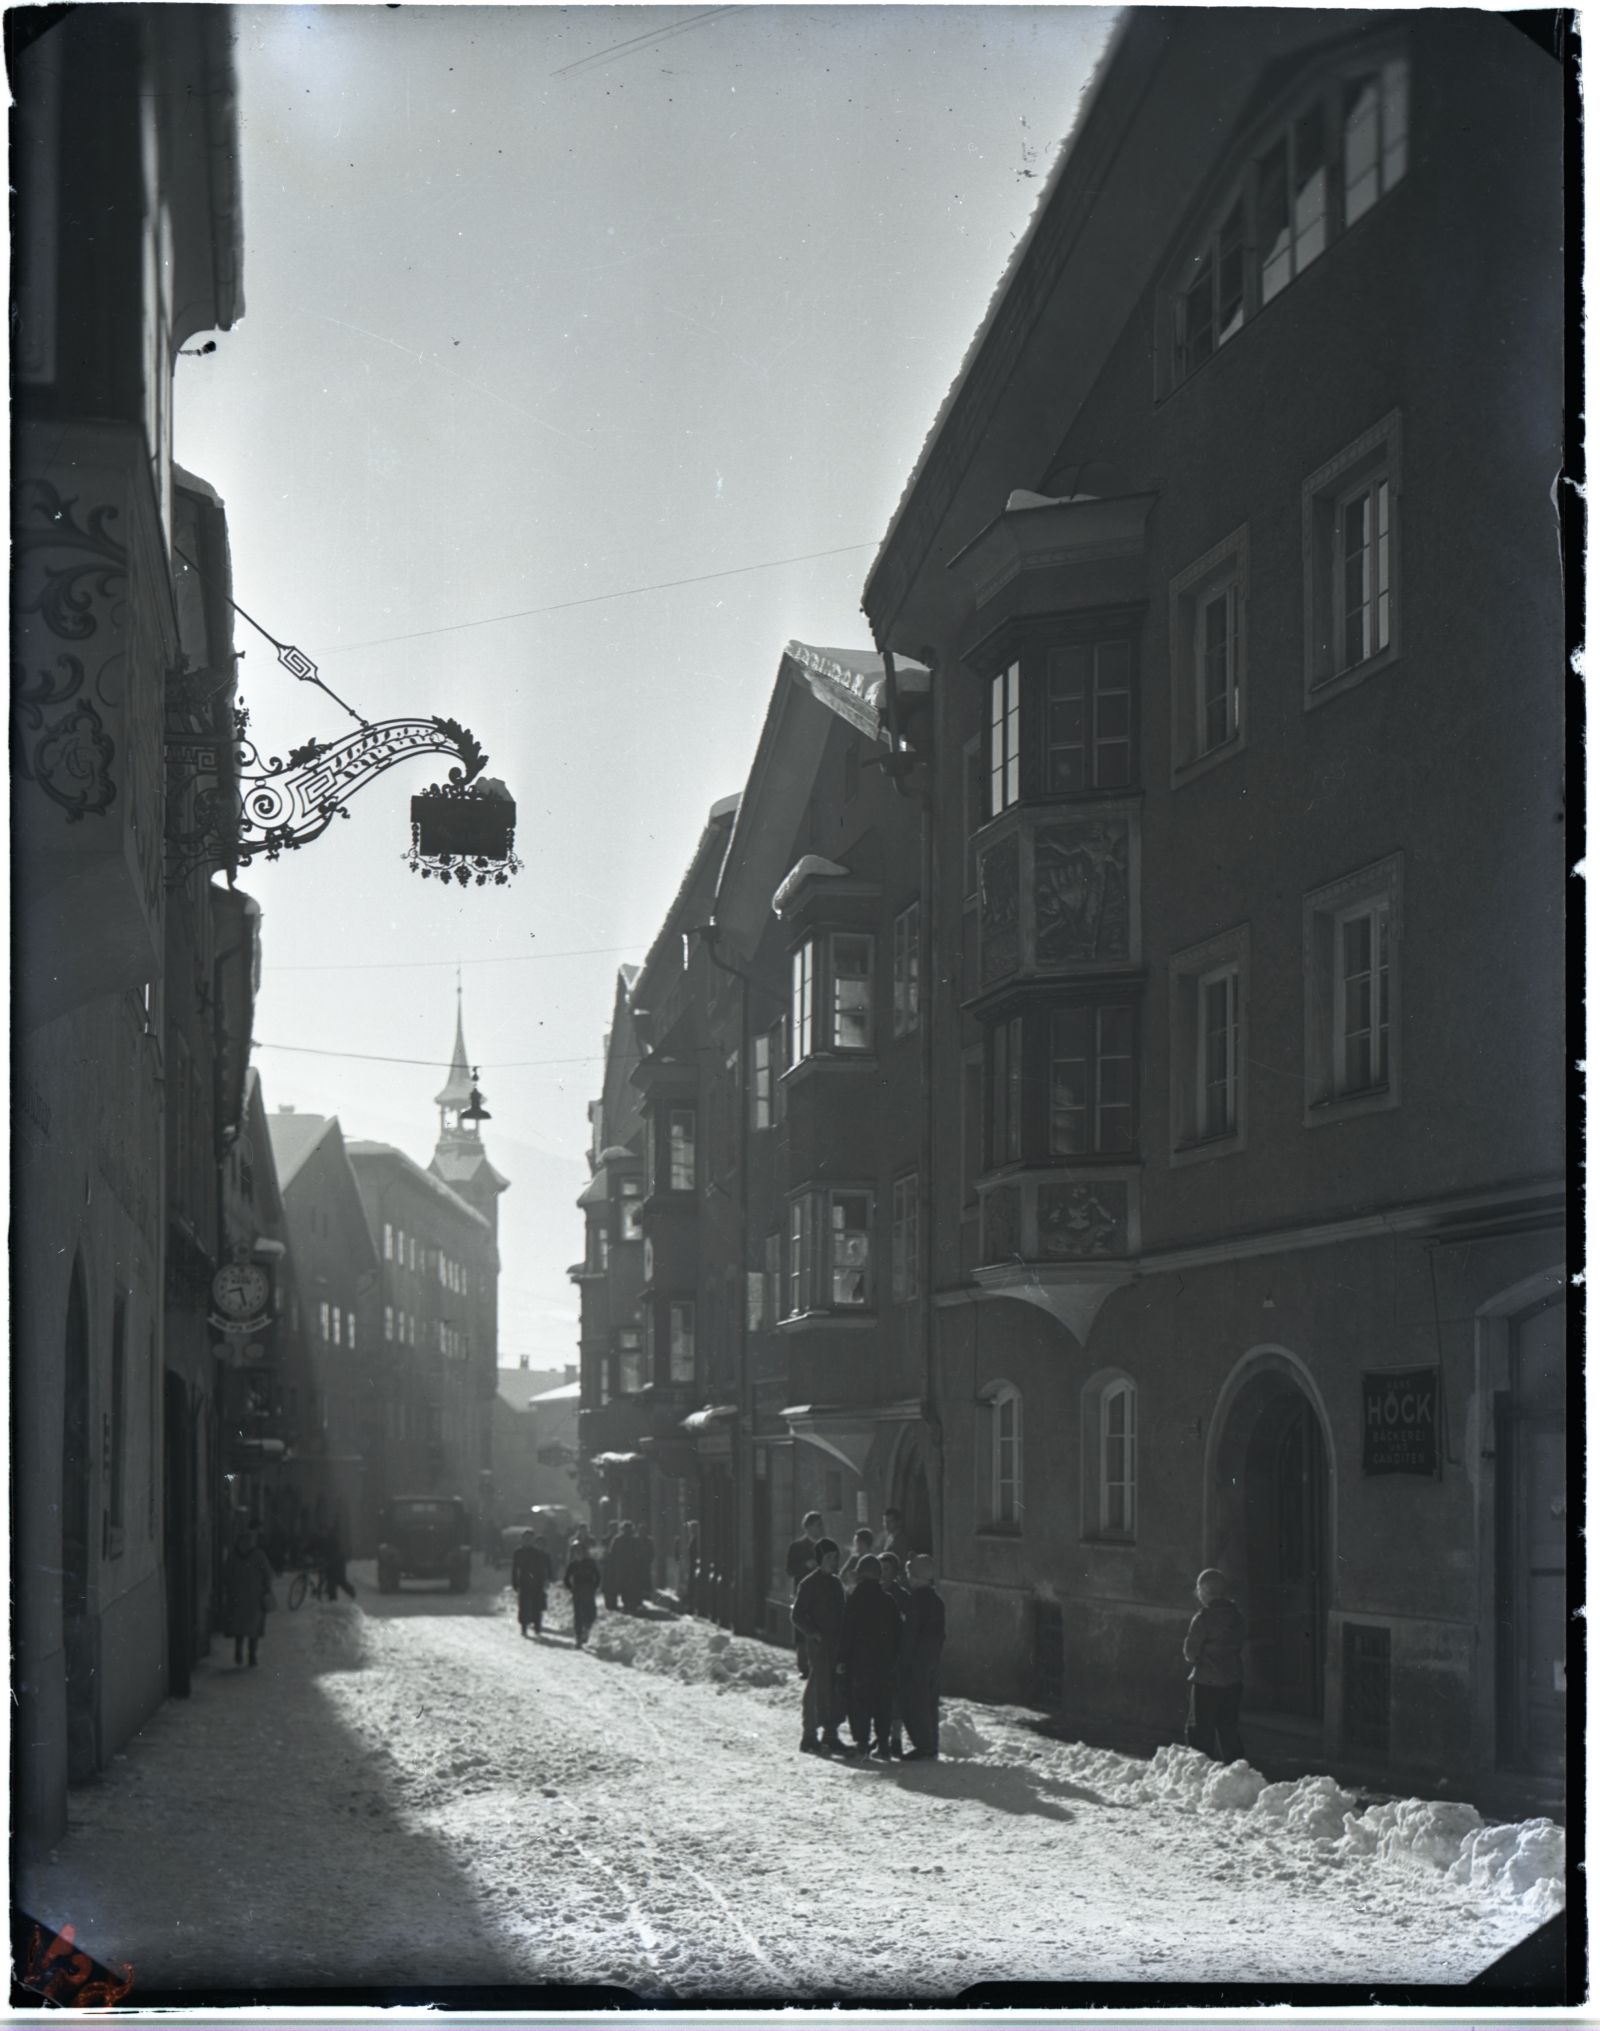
[[457, 1089]]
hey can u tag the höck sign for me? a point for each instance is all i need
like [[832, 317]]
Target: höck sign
[[1400, 1421]]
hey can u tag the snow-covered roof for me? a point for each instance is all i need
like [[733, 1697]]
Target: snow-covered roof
[[564, 1392], [518, 1387], [294, 1136], [1058, 171], [385, 1152]]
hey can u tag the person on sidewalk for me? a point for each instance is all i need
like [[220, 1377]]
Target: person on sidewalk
[[246, 1593], [334, 1577], [869, 1644], [893, 1535], [860, 1547], [530, 1575], [1214, 1648], [917, 1666], [895, 1587], [818, 1616], [582, 1582], [800, 1559]]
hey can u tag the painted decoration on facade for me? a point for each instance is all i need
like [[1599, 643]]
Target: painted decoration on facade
[[998, 883], [1400, 1421], [1002, 1224], [1082, 1220], [1080, 887], [69, 576]]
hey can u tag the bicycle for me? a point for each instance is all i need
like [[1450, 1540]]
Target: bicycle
[[309, 1579]]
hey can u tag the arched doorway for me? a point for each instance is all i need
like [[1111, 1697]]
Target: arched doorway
[[77, 1628], [1270, 1534], [912, 1494]]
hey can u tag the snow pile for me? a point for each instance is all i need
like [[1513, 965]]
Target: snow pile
[[1315, 1808], [1523, 1865], [960, 1735], [690, 1653], [1425, 1831]]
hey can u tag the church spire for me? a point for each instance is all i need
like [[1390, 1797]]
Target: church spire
[[457, 1089]]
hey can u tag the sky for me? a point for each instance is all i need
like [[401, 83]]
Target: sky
[[544, 307]]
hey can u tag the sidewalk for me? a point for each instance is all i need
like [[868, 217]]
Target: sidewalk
[[158, 1869]]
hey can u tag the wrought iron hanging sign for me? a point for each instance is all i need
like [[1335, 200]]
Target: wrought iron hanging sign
[[241, 806]]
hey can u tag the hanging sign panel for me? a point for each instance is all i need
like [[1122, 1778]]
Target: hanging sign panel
[[1400, 1421]]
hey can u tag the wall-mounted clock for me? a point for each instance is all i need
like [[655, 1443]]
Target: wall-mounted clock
[[240, 1290]]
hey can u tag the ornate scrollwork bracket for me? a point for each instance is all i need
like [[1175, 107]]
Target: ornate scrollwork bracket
[[242, 807]]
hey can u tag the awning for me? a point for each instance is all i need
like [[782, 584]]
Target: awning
[[701, 1420], [846, 1431], [615, 1459]]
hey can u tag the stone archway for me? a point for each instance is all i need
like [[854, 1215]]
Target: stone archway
[[1270, 1529], [911, 1491]]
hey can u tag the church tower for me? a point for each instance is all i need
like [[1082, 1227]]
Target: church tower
[[459, 1158]]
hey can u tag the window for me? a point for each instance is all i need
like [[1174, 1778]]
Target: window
[[1206, 627], [324, 1321], [907, 968], [971, 1127], [830, 1251], [632, 1219], [772, 1277], [761, 1081], [904, 1268], [1217, 1072], [1351, 548], [1118, 1461], [1318, 167], [1088, 718], [1005, 1092], [802, 1254], [338, 1327], [1091, 1080], [999, 1459], [1208, 1055], [388, 1242], [803, 997], [850, 961], [350, 1330], [680, 1352], [680, 1149], [1352, 981], [1361, 999], [1062, 1083], [388, 1322], [1005, 739], [630, 1362], [413, 1248]]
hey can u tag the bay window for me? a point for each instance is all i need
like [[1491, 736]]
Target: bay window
[[1062, 714], [831, 995], [830, 1251], [1062, 1082]]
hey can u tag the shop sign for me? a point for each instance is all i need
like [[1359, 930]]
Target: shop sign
[[1400, 1421]]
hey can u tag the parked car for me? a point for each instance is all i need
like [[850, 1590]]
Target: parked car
[[424, 1537]]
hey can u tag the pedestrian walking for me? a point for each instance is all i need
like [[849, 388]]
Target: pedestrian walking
[[647, 1564], [869, 1647], [800, 1559], [609, 1569], [530, 1575], [624, 1574], [246, 1594], [582, 1582], [335, 1580], [818, 1616], [895, 1587], [1214, 1648], [917, 1667], [691, 1566]]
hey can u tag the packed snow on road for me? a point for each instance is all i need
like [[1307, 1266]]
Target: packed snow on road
[[407, 1794]]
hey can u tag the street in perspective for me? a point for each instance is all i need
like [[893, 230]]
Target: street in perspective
[[788, 1088]]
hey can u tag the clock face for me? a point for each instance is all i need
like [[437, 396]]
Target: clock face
[[240, 1289]]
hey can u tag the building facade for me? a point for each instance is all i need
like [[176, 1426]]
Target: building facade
[[128, 243], [1261, 1243], [1120, 1069], [436, 1304]]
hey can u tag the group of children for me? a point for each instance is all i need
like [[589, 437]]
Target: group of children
[[869, 1636]]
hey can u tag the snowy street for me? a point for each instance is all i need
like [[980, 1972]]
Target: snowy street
[[406, 1794]]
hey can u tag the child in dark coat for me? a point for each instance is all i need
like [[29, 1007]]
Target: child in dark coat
[[1214, 1648], [582, 1582], [869, 1644]]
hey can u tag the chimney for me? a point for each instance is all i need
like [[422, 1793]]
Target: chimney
[[522, 1361], [570, 1372], [286, 1107]]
